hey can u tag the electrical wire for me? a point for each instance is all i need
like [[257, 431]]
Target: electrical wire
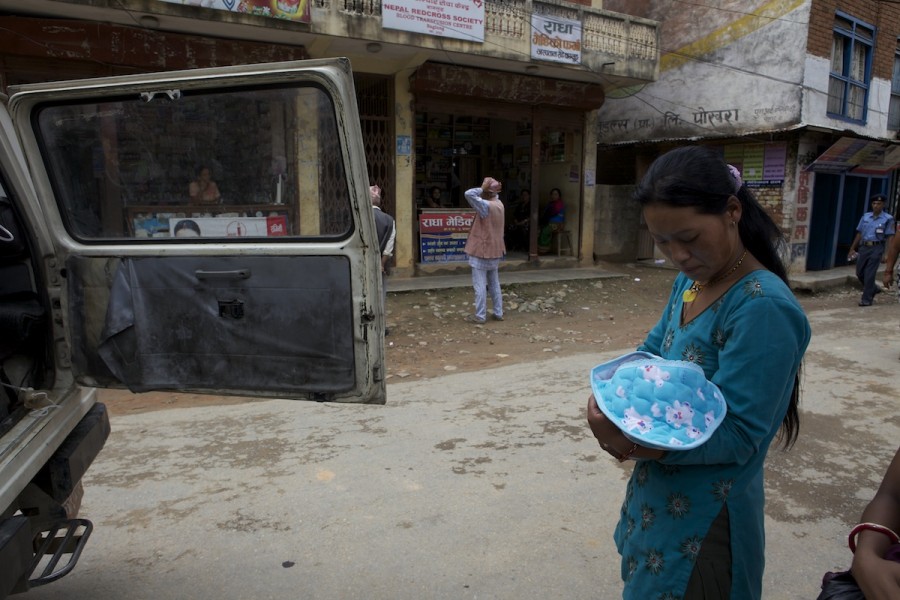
[[640, 93], [129, 13], [606, 80], [740, 12], [38, 402]]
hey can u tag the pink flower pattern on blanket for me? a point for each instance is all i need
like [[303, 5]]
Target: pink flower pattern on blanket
[[658, 403], [656, 375], [680, 413], [634, 421]]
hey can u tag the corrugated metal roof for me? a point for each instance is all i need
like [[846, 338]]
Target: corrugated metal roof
[[768, 133]]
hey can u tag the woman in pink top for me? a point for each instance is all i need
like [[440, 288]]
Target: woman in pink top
[[203, 190]]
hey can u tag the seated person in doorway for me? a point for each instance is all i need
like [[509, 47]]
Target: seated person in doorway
[[204, 190], [552, 219], [517, 231], [433, 200]]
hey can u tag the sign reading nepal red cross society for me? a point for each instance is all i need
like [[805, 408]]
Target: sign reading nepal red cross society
[[460, 19]]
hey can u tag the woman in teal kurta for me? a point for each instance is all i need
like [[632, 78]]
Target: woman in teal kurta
[[691, 525]]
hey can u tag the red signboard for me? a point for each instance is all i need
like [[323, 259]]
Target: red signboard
[[446, 222], [443, 234]]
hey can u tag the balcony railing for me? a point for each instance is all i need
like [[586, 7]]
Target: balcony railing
[[607, 37]]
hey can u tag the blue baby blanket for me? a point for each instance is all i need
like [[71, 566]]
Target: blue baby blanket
[[658, 403]]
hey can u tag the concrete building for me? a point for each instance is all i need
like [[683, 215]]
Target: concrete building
[[802, 95], [448, 91]]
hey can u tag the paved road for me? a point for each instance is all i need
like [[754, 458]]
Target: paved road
[[467, 486]]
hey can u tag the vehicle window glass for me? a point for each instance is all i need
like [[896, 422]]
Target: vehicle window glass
[[237, 164]]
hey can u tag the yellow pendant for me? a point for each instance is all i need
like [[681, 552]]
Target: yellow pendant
[[690, 294]]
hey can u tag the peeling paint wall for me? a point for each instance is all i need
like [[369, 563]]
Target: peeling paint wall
[[724, 72]]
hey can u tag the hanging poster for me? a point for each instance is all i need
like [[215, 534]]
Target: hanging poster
[[459, 19], [404, 145], [222, 226], [170, 224], [759, 164], [555, 39], [754, 158], [294, 10]]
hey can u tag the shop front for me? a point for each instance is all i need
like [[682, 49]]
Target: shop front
[[528, 132], [846, 176]]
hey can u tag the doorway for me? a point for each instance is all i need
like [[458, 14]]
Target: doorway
[[839, 201]]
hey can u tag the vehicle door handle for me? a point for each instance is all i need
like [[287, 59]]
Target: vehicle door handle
[[234, 274]]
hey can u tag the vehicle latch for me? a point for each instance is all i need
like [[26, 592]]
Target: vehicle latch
[[233, 309]]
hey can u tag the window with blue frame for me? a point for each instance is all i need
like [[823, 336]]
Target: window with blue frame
[[851, 68], [894, 110]]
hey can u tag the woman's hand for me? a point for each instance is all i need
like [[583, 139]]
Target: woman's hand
[[879, 579], [604, 430], [612, 440]]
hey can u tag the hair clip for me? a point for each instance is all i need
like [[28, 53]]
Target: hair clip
[[738, 182]]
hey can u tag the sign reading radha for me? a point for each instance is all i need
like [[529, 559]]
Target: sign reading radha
[[443, 235], [460, 19], [555, 39]]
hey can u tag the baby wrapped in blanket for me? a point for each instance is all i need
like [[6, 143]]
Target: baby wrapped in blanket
[[658, 403]]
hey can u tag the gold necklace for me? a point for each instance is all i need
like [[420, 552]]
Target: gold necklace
[[692, 292]]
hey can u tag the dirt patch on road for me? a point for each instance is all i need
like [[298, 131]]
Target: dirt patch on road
[[429, 337]]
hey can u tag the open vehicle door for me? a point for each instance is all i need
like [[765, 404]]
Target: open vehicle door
[[205, 230], [258, 277]]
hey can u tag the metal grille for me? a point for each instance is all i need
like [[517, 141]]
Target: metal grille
[[334, 215], [360, 7], [374, 96]]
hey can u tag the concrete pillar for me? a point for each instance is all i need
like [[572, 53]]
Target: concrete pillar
[[586, 235], [405, 251], [307, 167]]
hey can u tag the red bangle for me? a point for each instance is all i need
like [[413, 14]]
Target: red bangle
[[627, 455], [851, 539]]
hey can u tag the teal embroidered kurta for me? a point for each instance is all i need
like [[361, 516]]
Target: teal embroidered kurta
[[750, 343]]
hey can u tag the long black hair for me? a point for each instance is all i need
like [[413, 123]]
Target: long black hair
[[698, 177]]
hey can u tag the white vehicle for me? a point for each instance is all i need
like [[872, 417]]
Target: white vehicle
[[205, 230]]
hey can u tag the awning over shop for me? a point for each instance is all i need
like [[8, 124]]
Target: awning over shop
[[471, 84], [858, 155]]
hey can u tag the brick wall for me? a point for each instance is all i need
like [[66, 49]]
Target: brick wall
[[884, 16], [772, 200]]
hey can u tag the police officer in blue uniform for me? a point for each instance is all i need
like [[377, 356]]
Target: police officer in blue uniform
[[874, 229]]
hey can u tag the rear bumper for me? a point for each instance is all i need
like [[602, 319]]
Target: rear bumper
[[59, 475], [15, 553], [55, 481]]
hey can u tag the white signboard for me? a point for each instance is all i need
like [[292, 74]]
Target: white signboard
[[555, 39], [224, 226], [460, 19]]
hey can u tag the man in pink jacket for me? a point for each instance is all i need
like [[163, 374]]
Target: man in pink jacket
[[485, 247]]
